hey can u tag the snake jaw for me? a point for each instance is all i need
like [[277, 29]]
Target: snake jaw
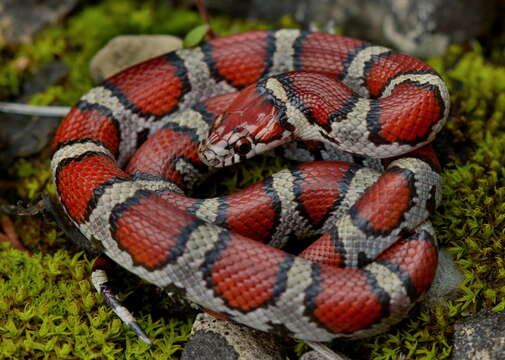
[[209, 157], [233, 148], [217, 155]]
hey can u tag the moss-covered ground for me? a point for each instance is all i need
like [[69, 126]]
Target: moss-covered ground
[[48, 308]]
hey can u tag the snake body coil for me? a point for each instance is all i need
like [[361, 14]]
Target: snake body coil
[[375, 255]]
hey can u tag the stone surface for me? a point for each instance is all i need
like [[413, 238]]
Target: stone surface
[[315, 355], [312, 355], [481, 337], [420, 28], [127, 50], [47, 75], [445, 286], [20, 20], [22, 135], [216, 339]]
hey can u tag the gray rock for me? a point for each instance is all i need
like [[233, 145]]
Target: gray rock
[[48, 74], [20, 20], [312, 355], [445, 286], [124, 51], [480, 337], [216, 339], [420, 28], [208, 345], [23, 135], [323, 355]]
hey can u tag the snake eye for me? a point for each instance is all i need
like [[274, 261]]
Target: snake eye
[[242, 147]]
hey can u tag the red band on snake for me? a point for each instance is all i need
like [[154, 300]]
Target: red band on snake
[[375, 255]]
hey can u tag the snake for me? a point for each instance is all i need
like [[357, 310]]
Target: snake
[[362, 116]]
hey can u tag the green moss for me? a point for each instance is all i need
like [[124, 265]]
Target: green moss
[[48, 308], [35, 177], [471, 223], [470, 219], [477, 89]]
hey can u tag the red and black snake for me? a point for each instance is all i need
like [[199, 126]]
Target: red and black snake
[[129, 149]]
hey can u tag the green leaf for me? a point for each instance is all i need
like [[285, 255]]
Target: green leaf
[[196, 36], [499, 307]]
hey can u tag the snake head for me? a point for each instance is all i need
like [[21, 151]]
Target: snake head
[[249, 126], [228, 150]]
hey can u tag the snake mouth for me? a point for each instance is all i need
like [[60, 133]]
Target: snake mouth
[[212, 161], [212, 157]]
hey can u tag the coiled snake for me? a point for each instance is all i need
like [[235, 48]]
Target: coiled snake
[[375, 254]]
